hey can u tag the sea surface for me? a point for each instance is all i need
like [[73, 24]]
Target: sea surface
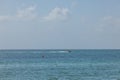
[[59, 65]]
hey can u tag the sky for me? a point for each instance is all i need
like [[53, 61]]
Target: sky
[[59, 24]]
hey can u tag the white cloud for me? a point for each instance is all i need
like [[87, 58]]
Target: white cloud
[[57, 14], [28, 13], [74, 4], [107, 18], [5, 18], [109, 24], [111, 20]]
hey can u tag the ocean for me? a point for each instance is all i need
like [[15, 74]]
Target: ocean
[[60, 65]]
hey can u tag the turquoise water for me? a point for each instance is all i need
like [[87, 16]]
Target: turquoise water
[[59, 65]]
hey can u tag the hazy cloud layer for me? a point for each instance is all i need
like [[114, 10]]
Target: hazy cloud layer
[[111, 20], [30, 13], [27, 13], [57, 14]]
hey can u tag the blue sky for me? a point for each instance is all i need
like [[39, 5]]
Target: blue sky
[[59, 24]]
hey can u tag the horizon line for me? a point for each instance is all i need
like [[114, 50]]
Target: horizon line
[[62, 49]]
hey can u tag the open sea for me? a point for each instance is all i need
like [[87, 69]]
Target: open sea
[[59, 65]]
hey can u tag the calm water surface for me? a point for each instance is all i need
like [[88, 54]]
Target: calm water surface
[[59, 65]]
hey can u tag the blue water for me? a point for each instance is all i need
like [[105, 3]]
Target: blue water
[[59, 65]]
